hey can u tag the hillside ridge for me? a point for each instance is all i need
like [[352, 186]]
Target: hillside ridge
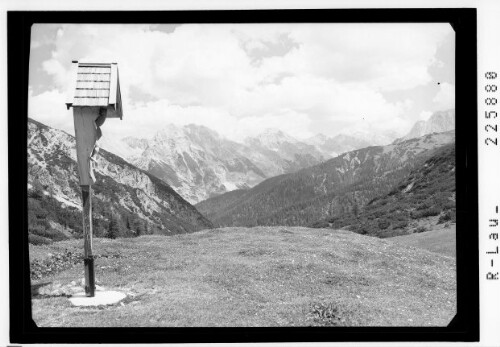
[[124, 195], [423, 200], [326, 189]]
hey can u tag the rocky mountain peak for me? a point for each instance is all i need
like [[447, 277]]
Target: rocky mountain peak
[[169, 132], [442, 120], [317, 139], [199, 163], [272, 138], [438, 122], [135, 142]]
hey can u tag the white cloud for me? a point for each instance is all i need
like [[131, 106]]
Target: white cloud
[[61, 75], [445, 98], [387, 56], [50, 108], [332, 75]]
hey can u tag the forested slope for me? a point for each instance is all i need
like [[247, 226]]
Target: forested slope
[[335, 187]]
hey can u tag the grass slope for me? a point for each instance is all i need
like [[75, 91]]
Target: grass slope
[[262, 276], [441, 240]]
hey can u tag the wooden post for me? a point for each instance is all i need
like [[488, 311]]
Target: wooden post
[[86, 133], [88, 259]]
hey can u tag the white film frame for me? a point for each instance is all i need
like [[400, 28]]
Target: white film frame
[[488, 49]]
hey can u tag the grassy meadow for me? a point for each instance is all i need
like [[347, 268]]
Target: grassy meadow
[[261, 276], [440, 240]]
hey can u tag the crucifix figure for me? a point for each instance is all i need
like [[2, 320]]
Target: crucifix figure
[[94, 96]]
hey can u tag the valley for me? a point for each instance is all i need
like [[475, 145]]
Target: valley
[[359, 190]]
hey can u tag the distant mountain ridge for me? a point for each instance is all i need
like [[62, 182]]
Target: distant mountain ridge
[[334, 146], [122, 190], [326, 189], [199, 163]]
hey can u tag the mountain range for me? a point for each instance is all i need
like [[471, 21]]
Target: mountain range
[[269, 179], [199, 163]]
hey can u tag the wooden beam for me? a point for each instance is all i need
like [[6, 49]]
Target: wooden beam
[[86, 135]]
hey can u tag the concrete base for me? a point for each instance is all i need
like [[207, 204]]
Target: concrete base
[[101, 298]]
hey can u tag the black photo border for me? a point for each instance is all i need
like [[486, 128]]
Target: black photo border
[[465, 325]]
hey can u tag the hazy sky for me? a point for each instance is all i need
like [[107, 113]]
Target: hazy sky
[[240, 79]]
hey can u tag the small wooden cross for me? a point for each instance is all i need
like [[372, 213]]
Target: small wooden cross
[[94, 96]]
